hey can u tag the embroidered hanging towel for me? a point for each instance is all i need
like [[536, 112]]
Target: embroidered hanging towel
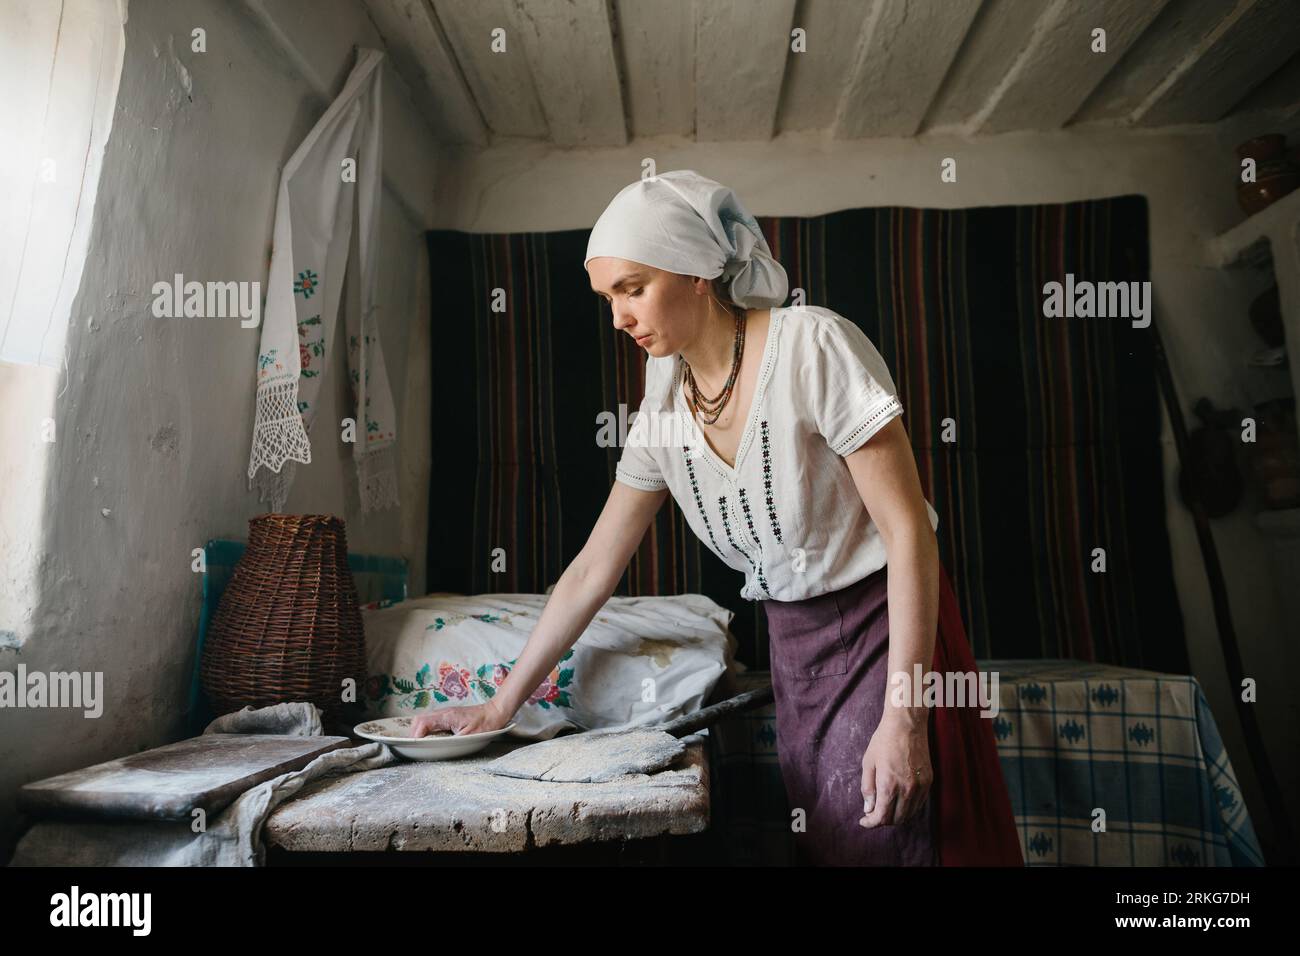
[[337, 170]]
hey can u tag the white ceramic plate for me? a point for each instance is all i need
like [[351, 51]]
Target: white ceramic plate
[[396, 733]]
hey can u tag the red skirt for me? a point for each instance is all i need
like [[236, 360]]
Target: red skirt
[[829, 663]]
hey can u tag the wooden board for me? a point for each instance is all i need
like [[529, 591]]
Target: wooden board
[[169, 783], [445, 805]]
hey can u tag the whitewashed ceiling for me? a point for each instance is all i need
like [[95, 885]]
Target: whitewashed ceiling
[[603, 72]]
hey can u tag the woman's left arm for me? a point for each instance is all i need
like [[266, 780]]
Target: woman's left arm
[[884, 471]]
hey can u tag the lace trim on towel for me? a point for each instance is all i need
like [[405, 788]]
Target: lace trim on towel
[[278, 432], [377, 480], [863, 432]]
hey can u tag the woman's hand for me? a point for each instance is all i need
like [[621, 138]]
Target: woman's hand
[[474, 719], [892, 792]]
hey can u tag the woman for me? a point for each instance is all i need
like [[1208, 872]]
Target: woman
[[795, 469]]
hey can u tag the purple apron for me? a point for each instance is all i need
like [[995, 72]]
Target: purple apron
[[830, 662]]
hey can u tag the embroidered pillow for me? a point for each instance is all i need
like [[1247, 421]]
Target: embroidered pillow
[[642, 660]]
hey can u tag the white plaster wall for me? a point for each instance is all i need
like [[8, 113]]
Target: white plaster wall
[[156, 417], [1187, 177], [26, 404]]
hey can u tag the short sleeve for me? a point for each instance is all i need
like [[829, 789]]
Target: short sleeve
[[852, 393], [638, 465]]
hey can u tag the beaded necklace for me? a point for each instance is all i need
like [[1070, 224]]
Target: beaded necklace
[[704, 405]]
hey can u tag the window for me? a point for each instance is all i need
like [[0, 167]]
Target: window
[[59, 67]]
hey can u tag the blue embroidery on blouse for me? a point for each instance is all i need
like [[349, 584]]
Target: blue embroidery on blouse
[[767, 485], [758, 572], [699, 502], [758, 568], [744, 503]]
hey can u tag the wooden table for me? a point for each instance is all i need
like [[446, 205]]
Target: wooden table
[[455, 805]]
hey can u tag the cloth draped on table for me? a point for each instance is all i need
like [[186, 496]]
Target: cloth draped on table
[[337, 169], [233, 837]]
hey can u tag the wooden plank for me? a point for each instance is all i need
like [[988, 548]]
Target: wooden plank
[[995, 41], [1058, 72], [569, 47], [741, 50], [1156, 56], [656, 42], [902, 55], [500, 83], [423, 56], [1279, 95], [457, 805], [1240, 53], [170, 782]]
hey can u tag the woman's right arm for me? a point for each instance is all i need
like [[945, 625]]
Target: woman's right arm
[[581, 591]]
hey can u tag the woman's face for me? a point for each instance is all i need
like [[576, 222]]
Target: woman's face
[[661, 310]]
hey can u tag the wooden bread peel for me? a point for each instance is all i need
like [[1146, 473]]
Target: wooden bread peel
[[597, 756]]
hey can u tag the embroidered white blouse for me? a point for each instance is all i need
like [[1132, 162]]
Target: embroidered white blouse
[[788, 514]]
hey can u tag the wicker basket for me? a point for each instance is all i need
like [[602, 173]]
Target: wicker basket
[[288, 626]]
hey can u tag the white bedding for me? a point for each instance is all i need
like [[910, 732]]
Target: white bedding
[[642, 660]]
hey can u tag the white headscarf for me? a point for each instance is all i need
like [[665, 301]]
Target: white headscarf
[[682, 222]]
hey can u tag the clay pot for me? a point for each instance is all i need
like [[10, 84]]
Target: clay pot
[[1273, 180], [1263, 148]]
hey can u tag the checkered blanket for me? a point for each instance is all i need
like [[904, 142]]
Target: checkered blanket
[[1074, 738], [1082, 744]]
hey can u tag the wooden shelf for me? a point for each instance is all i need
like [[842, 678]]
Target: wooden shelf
[[1271, 236], [1237, 245]]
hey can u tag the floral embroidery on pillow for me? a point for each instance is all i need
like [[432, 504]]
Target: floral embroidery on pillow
[[454, 682], [551, 691], [488, 618]]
